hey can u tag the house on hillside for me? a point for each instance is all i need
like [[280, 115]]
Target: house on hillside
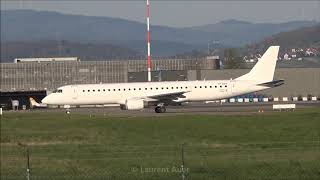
[[286, 57]]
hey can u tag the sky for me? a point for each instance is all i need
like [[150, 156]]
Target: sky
[[183, 13]]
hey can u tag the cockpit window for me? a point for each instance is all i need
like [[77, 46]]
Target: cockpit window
[[57, 91]]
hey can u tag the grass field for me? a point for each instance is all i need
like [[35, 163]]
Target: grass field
[[278, 145]]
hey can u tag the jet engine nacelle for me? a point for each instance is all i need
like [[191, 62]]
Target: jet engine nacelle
[[133, 105]]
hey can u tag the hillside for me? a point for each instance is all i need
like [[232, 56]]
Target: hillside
[[26, 25], [242, 32], [30, 26], [301, 38]]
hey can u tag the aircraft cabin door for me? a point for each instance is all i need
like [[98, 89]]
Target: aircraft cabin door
[[232, 87], [74, 92]]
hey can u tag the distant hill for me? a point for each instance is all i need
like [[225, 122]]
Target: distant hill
[[242, 32], [26, 25], [85, 51], [35, 26], [300, 38]]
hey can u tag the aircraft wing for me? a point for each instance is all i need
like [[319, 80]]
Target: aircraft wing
[[167, 96]]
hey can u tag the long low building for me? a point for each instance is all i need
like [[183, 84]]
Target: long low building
[[53, 59], [50, 75]]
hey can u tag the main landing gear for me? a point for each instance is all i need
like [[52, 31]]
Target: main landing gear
[[160, 109], [68, 111]]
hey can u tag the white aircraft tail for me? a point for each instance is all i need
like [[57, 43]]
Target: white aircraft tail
[[33, 102], [264, 69]]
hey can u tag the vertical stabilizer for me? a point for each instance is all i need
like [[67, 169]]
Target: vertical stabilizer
[[264, 69], [33, 102]]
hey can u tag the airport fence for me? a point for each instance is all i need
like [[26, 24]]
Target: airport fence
[[265, 161]]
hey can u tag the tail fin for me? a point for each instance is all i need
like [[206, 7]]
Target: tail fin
[[263, 71], [33, 102]]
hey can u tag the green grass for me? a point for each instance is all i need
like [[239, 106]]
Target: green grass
[[279, 145]]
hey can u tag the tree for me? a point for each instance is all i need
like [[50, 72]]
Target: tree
[[232, 59]]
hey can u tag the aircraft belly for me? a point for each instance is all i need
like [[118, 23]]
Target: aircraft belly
[[207, 95]]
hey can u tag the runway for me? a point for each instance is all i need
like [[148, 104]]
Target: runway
[[190, 108]]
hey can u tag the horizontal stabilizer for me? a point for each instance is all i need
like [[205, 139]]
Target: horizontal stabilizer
[[273, 83]]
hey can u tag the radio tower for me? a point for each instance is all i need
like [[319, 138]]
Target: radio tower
[[148, 40]]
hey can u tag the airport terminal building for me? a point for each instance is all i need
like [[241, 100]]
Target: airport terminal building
[[23, 79]]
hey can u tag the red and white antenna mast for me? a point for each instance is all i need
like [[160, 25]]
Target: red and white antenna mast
[[148, 40]]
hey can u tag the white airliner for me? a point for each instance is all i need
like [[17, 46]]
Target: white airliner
[[136, 96]]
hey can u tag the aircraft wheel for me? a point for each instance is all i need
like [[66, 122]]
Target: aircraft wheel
[[160, 109], [157, 109], [163, 109]]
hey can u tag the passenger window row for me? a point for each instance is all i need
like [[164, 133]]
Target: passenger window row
[[210, 86], [157, 88]]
